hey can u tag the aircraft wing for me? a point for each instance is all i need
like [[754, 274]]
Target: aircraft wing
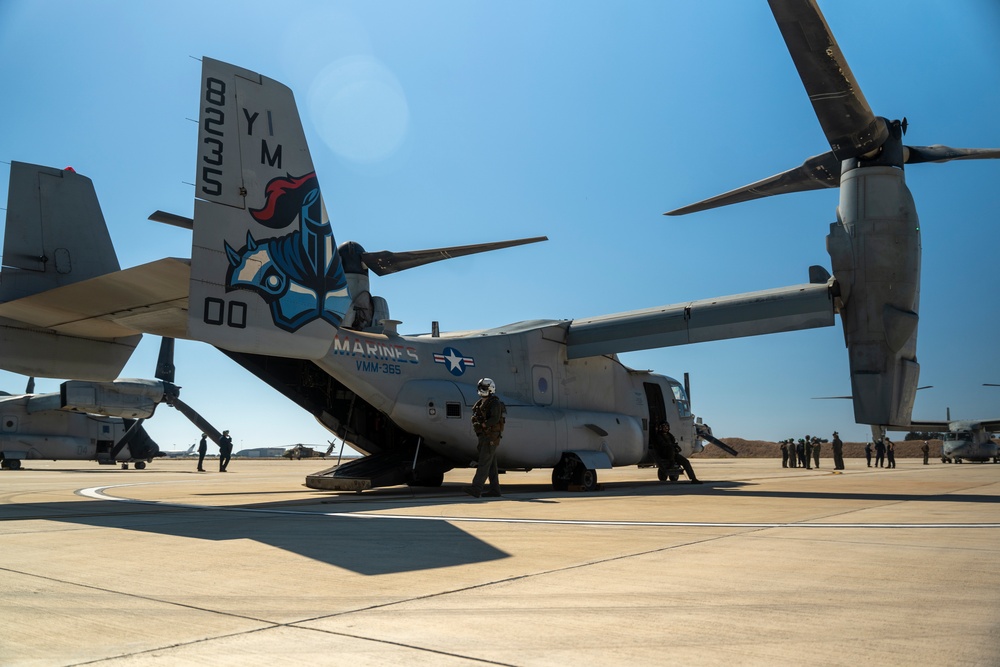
[[751, 314], [150, 298]]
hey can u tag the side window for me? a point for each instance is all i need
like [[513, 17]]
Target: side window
[[683, 405]]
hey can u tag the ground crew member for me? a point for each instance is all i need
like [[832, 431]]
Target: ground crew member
[[488, 415], [868, 454], [838, 452], [816, 446], [926, 449], [784, 454], [800, 453], [808, 450], [879, 453], [890, 453], [666, 446], [202, 450], [225, 450]]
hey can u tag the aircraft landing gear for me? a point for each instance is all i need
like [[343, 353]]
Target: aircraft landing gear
[[587, 479], [428, 479], [140, 465], [10, 464], [571, 471], [663, 474], [125, 466]]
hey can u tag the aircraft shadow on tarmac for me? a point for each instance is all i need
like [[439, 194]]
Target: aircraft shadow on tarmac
[[385, 545], [369, 547]]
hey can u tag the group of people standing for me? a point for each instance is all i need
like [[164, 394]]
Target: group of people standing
[[885, 453], [805, 453], [225, 451]]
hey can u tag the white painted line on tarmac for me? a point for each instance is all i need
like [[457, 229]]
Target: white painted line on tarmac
[[97, 493]]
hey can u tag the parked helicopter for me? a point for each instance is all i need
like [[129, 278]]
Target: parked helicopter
[[89, 421], [267, 285], [301, 451]]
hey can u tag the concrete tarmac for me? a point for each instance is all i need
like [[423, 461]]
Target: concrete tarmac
[[759, 565]]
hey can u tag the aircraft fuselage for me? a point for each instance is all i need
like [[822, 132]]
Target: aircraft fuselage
[[426, 386]]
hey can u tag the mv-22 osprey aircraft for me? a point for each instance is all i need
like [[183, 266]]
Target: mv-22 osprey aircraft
[[267, 285], [90, 421]]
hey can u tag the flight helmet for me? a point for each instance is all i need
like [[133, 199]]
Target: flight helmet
[[486, 387]]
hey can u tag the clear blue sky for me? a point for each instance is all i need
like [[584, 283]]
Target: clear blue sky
[[438, 123]]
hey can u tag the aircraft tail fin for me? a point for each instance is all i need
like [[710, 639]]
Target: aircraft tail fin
[[55, 233], [55, 237], [266, 276]]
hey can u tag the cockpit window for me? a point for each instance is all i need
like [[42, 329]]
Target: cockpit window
[[683, 405]]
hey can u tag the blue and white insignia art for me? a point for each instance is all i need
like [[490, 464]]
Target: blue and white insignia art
[[298, 275], [454, 360]]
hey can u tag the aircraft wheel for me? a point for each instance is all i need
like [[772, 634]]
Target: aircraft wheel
[[661, 474], [559, 483], [140, 465], [4, 464], [674, 478], [124, 466], [588, 480], [435, 480]]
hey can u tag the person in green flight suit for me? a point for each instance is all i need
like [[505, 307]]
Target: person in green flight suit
[[488, 417], [838, 452]]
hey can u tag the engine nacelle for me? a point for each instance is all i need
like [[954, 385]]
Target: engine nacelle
[[134, 399]]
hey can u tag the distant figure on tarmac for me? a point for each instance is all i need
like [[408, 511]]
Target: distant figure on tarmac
[[784, 454], [926, 449], [792, 456], [890, 454], [808, 446], [838, 452], [225, 451], [879, 453], [202, 450], [816, 447], [868, 454]]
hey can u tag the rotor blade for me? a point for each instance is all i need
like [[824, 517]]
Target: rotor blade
[[824, 398], [203, 425], [130, 435], [816, 173], [165, 362], [385, 262], [705, 433], [721, 445], [939, 153], [172, 219], [848, 122]]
